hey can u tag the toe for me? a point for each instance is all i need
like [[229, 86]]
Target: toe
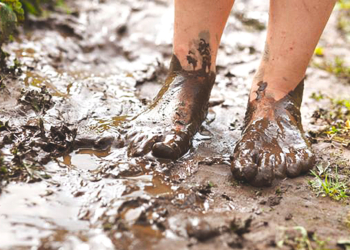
[[293, 164], [172, 147], [280, 165], [308, 160], [245, 171], [244, 165], [265, 174]]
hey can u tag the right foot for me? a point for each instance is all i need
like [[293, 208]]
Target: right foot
[[273, 144], [167, 127]]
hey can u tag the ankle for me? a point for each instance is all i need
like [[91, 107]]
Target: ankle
[[201, 59], [277, 86], [270, 92]]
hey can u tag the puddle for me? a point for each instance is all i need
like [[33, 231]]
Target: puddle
[[102, 70], [86, 159]]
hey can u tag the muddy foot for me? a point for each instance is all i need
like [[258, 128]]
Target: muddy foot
[[167, 127], [273, 144]]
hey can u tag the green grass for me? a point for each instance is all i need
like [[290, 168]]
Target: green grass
[[336, 117], [300, 239], [327, 183], [343, 4], [347, 220], [14, 12], [336, 67], [343, 24]]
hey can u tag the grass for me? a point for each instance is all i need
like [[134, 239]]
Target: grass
[[344, 13], [343, 4], [300, 239], [14, 12], [343, 24], [347, 220], [327, 183], [336, 117], [336, 67]]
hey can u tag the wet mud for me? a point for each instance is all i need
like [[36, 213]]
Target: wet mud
[[273, 143], [166, 128], [71, 180]]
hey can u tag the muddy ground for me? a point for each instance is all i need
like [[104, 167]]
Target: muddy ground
[[101, 65]]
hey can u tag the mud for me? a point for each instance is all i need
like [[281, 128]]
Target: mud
[[273, 143], [167, 126], [71, 183]]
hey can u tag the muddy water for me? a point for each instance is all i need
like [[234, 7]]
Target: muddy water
[[102, 65]]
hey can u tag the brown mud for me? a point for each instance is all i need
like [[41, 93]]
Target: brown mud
[[166, 128], [70, 183], [273, 143]]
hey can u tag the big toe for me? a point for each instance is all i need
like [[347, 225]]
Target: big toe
[[172, 147], [255, 167], [244, 164]]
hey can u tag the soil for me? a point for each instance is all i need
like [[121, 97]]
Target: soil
[[70, 183]]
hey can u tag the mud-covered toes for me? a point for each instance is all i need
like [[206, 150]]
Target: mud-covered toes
[[309, 160], [260, 169], [299, 161], [256, 175], [147, 144], [266, 170], [172, 147], [293, 165], [244, 165], [245, 172], [254, 166], [280, 165]]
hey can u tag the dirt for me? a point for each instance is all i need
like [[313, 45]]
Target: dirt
[[70, 183], [166, 128], [290, 154]]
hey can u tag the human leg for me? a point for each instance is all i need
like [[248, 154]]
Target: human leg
[[273, 142], [166, 128]]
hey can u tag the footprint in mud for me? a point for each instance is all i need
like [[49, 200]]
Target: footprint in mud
[[273, 144], [167, 127]]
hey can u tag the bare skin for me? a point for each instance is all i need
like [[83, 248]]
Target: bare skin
[[273, 144], [291, 40], [167, 127]]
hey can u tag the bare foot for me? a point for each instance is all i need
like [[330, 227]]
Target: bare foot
[[167, 127], [273, 144]]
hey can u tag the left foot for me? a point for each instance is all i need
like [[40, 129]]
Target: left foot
[[167, 127], [273, 144]]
